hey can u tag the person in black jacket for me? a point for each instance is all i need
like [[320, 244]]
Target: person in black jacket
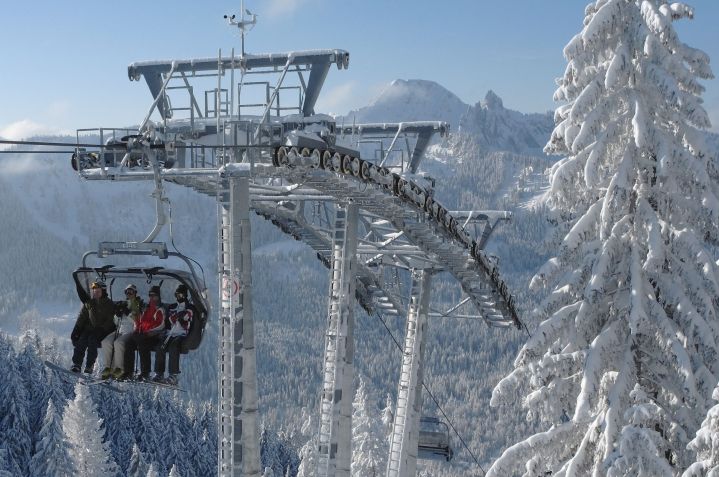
[[177, 326], [94, 322]]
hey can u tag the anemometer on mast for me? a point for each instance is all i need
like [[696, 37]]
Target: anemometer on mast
[[242, 24]]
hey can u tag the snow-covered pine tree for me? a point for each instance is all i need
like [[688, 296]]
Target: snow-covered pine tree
[[175, 429], [152, 471], [174, 472], [276, 451], [137, 467], [625, 356], [34, 379], [388, 417], [368, 439], [706, 445], [8, 467], [82, 426], [15, 434], [268, 448], [51, 458], [116, 412], [147, 432], [205, 455], [54, 388], [307, 452], [288, 453]]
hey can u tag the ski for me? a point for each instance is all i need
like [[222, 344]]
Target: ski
[[85, 379], [115, 382], [153, 383]]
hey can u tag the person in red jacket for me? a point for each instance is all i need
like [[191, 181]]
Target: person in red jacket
[[148, 333]]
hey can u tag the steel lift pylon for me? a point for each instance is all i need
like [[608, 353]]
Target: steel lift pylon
[[404, 439], [335, 434], [239, 447]]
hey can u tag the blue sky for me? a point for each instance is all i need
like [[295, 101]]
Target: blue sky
[[64, 63]]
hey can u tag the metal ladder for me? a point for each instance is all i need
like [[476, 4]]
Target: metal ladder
[[224, 363], [404, 439], [335, 432]]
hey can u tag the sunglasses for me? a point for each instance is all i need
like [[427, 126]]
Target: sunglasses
[[152, 294], [129, 292]]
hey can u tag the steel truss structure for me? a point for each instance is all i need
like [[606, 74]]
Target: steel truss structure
[[369, 220]]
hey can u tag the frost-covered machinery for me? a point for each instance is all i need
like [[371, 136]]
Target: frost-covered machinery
[[237, 128]]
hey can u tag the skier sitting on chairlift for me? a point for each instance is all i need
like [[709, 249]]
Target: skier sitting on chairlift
[[94, 322], [147, 334], [113, 346], [178, 326]]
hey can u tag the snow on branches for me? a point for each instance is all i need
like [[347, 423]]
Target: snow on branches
[[625, 357]]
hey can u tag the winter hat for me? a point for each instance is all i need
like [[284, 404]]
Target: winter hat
[[132, 287], [155, 290], [98, 284], [181, 288]]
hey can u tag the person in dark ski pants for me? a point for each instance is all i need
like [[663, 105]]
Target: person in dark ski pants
[[94, 322], [147, 334], [178, 325]]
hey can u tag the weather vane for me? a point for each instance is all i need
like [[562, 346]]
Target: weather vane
[[243, 24]]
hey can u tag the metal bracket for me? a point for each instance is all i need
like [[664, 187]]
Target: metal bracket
[[157, 249]]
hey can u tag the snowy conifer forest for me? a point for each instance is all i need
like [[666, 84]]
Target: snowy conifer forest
[[612, 255]]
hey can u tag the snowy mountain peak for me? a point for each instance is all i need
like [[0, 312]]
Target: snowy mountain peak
[[492, 101], [496, 128], [412, 100]]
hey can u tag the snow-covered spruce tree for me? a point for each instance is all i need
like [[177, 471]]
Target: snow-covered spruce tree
[[51, 458], [82, 426], [152, 471], [388, 417], [706, 444], [33, 378], [8, 467], [625, 357], [137, 466], [369, 449], [205, 442], [116, 411], [308, 453], [15, 431], [175, 431], [148, 432]]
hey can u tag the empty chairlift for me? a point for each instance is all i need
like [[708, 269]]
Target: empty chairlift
[[434, 441]]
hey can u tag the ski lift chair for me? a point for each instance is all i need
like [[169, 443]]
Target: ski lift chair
[[434, 440], [109, 274]]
